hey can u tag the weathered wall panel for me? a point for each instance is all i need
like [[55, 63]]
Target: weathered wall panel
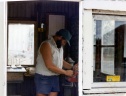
[[29, 9]]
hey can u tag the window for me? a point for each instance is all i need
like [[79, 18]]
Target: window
[[21, 43], [109, 47]]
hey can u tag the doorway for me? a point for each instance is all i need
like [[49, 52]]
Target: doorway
[[39, 11]]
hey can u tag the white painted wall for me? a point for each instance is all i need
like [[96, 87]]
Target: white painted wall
[[87, 46], [80, 50], [3, 47], [115, 5]]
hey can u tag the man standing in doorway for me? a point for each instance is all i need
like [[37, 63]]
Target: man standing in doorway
[[50, 62]]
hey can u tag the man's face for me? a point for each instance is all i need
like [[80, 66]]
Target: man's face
[[61, 42]]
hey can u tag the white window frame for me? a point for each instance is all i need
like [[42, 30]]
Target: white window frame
[[87, 53]]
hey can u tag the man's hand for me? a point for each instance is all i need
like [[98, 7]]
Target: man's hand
[[75, 67], [69, 73], [74, 77]]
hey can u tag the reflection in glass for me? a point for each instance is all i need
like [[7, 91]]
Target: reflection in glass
[[107, 60], [94, 30], [21, 44], [94, 53], [109, 47], [108, 32], [125, 41]]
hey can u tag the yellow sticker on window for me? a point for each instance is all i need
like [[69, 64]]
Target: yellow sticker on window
[[115, 78]]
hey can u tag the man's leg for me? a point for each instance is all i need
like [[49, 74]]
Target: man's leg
[[53, 94], [42, 84]]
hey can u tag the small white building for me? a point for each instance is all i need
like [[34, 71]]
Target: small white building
[[102, 47]]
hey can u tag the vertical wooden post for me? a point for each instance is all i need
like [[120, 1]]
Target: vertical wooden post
[[3, 48]]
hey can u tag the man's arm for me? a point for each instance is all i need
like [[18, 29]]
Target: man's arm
[[66, 65], [46, 54]]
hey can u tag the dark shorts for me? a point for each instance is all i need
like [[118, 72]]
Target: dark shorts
[[46, 84]]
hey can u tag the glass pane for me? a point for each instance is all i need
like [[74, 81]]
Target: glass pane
[[107, 60], [109, 48], [94, 58], [21, 44], [94, 25], [97, 30], [108, 32]]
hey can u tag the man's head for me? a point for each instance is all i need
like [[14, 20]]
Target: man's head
[[64, 37]]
